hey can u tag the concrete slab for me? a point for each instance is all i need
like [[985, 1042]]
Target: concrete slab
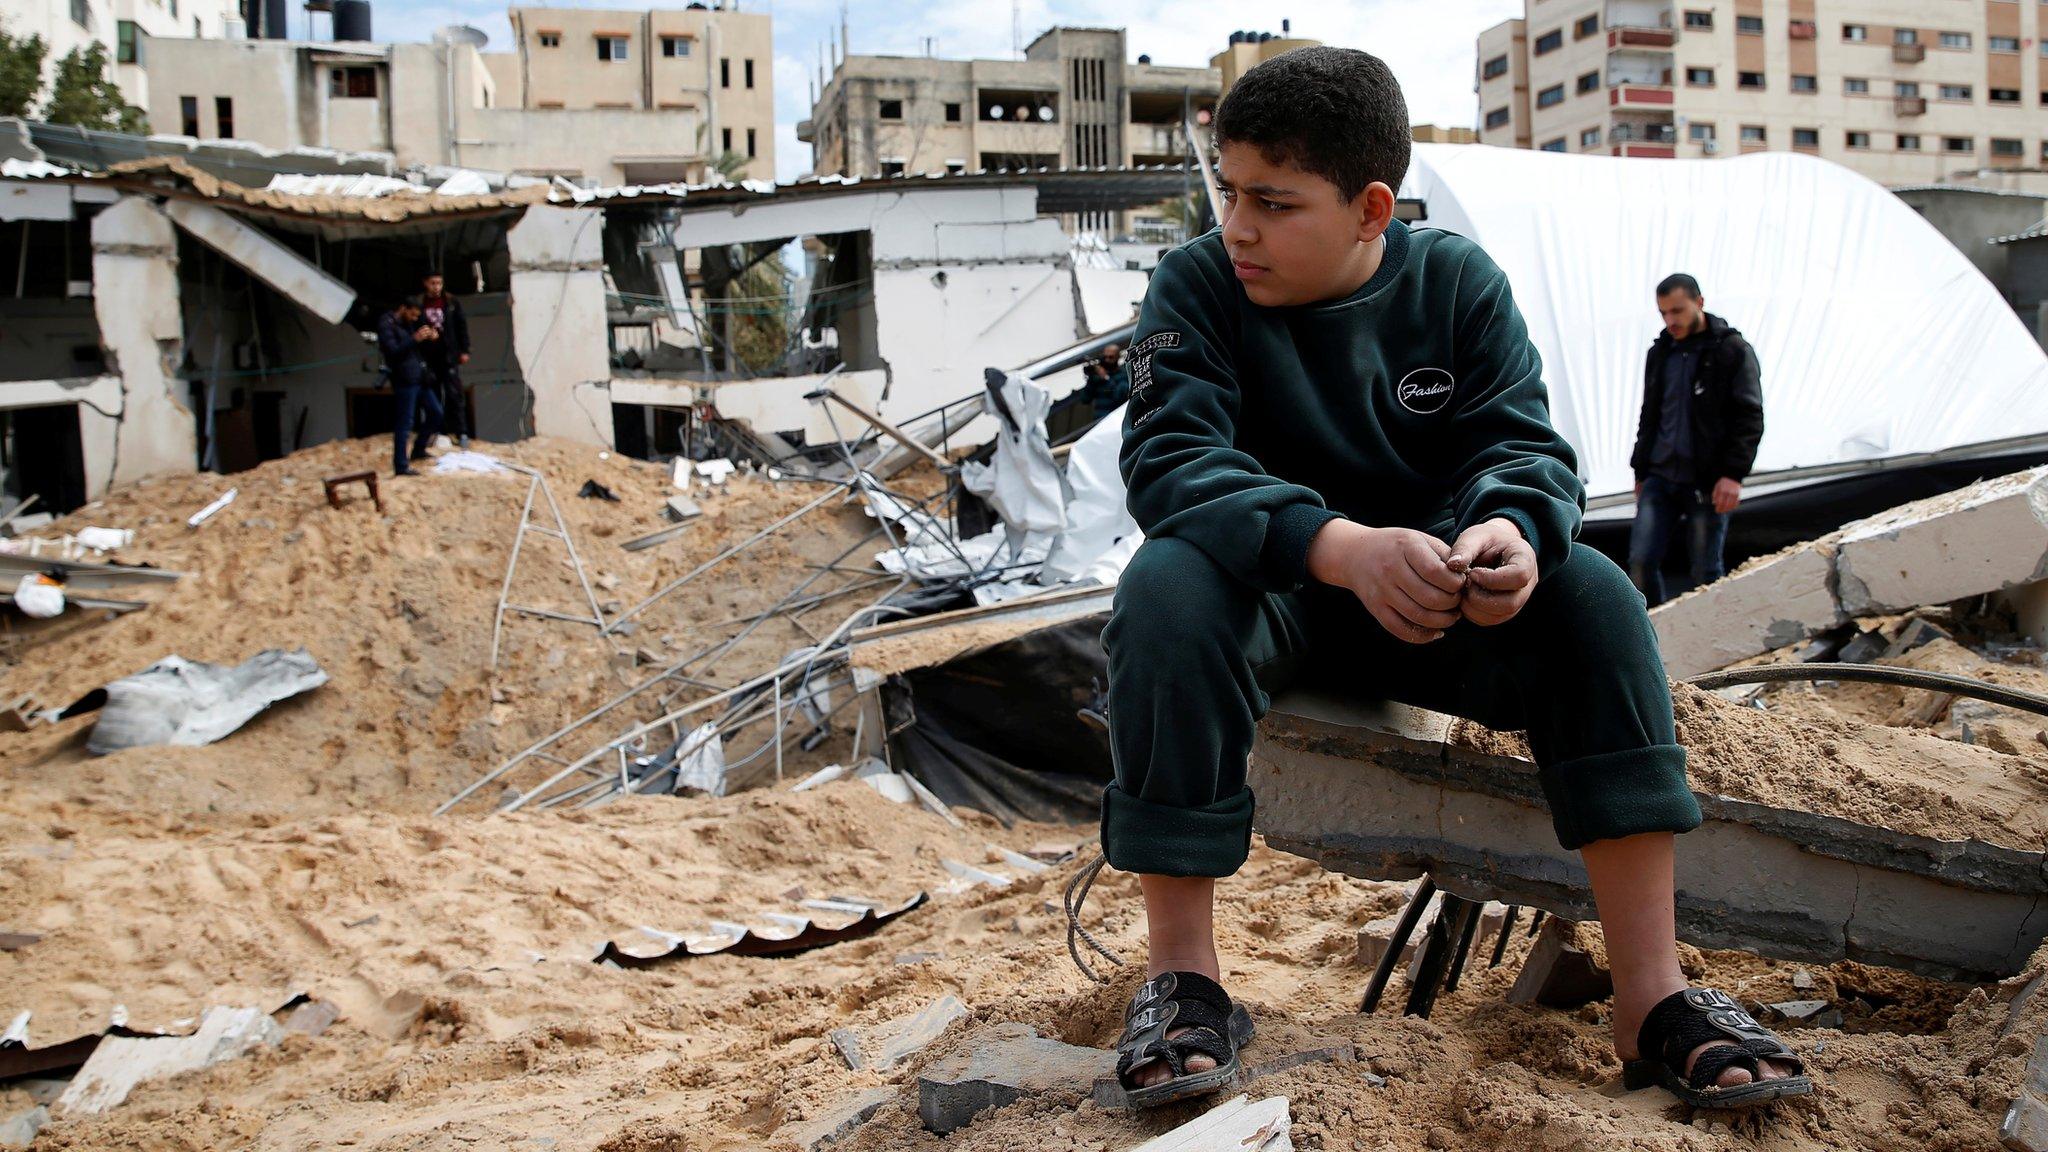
[[835, 1124], [1766, 604], [1011, 1063], [1558, 973], [1374, 791], [296, 278], [1988, 537], [122, 1062], [883, 1046], [2025, 1128], [559, 323], [1238, 1124]]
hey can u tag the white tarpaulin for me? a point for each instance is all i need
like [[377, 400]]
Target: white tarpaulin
[[180, 701], [1876, 336]]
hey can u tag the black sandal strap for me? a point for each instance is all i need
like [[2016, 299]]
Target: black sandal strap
[[1775, 1051], [1707, 1069], [1172, 1001]]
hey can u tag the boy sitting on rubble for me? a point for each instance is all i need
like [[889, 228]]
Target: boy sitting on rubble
[[1338, 445]]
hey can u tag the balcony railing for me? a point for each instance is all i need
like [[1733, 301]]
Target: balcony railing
[[1909, 105], [1641, 38], [1648, 151], [1643, 134], [1653, 95], [1908, 53]]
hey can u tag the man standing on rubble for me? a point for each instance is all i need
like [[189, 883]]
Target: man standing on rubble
[[445, 353], [1702, 416], [400, 334]]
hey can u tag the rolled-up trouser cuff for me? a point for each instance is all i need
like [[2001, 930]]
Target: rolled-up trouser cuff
[[1617, 794], [1161, 840]]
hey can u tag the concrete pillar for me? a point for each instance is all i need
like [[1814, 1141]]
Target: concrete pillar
[[135, 297], [558, 321]]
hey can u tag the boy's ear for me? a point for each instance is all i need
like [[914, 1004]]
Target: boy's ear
[[1375, 210]]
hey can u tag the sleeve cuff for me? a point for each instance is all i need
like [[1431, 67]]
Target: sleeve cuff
[[1288, 534]]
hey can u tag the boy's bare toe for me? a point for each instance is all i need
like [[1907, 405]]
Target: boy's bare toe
[[1157, 1072]]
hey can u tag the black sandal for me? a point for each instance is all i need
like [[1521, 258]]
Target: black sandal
[[1216, 1028], [1685, 1020]]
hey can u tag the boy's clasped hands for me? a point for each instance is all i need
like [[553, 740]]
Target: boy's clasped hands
[[1417, 586]]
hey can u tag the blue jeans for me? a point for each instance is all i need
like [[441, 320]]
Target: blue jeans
[[410, 399], [1658, 510]]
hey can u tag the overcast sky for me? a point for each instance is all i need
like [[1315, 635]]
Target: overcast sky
[[1428, 42]]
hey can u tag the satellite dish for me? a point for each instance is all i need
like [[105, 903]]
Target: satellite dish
[[995, 111], [1202, 117], [1045, 112]]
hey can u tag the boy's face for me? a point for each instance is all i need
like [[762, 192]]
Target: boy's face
[[1292, 237]]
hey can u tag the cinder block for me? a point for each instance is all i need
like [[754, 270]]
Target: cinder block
[[1985, 538], [1012, 1063], [1766, 604]]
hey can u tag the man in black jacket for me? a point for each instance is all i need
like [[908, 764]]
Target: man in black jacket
[[1703, 414], [401, 333], [446, 352]]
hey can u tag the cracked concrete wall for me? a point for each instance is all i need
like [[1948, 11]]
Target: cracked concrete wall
[[150, 432], [559, 324]]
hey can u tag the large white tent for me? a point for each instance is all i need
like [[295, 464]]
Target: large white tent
[[1877, 338]]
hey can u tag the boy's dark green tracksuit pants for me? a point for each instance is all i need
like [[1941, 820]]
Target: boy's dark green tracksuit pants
[[1194, 654]]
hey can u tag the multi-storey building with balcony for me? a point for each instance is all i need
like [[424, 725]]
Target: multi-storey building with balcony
[[1905, 91]]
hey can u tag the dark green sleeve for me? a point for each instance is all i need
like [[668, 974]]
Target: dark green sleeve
[[1184, 474], [1514, 464]]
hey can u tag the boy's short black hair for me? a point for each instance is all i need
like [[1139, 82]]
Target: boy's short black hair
[[415, 302], [1337, 113], [1678, 281]]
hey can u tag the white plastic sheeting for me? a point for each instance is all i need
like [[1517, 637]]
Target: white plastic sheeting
[[1876, 336], [1101, 535], [1022, 484], [180, 701]]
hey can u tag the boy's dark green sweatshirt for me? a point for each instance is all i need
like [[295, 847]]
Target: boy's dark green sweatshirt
[[1416, 401]]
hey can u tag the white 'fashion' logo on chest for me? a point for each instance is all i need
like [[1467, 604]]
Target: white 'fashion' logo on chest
[[1425, 390]]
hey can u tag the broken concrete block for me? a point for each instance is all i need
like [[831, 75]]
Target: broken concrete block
[[312, 1018], [1011, 1063], [681, 508], [1863, 648], [835, 1124], [1918, 633], [1765, 604], [883, 1046], [1806, 1013], [1558, 973], [1238, 1124], [122, 1062], [974, 876], [1337, 1053], [2025, 1128], [1985, 538], [19, 1130], [1802, 979]]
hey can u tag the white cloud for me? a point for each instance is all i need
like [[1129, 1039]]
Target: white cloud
[[1428, 43]]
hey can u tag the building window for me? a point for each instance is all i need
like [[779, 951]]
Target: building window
[[1498, 66], [1806, 84], [1955, 40], [1806, 137], [188, 115], [2000, 146], [354, 82], [1698, 21], [750, 73], [611, 47], [551, 39], [1958, 144], [1855, 86], [675, 46], [2005, 43], [2005, 95], [1556, 145], [1749, 25], [952, 113], [1905, 36], [1749, 80], [1590, 82], [1955, 92], [725, 71], [1496, 118], [1590, 138], [1906, 89], [1856, 33], [126, 46], [1909, 142], [890, 109], [725, 139], [224, 117], [751, 152], [81, 14], [1550, 97], [1859, 140], [1700, 77], [1588, 26], [1700, 133], [1754, 134], [1550, 41]]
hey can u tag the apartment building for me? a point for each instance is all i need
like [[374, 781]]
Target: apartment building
[[1904, 91], [711, 61], [1071, 102], [119, 27]]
